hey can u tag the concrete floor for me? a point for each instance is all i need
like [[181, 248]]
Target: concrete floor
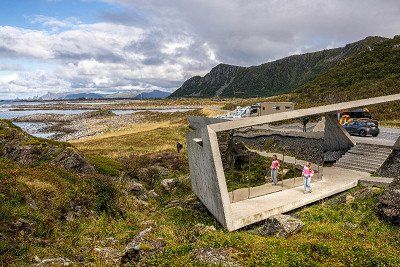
[[335, 180]]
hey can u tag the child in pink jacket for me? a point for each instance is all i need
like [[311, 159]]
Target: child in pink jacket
[[307, 174]]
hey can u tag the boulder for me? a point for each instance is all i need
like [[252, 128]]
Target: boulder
[[108, 254], [169, 184], [137, 189], [140, 247], [201, 229], [388, 206], [153, 193], [18, 145], [162, 170], [55, 262], [366, 192], [280, 226], [216, 257]]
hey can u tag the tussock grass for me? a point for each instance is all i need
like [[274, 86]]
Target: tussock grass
[[140, 142]]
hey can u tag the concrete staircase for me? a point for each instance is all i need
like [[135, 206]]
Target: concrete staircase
[[364, 157]]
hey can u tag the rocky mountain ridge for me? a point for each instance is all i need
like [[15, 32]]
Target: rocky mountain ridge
[[271, 78]]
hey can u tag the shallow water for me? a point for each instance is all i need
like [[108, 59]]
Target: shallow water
[[8, 114], [35, 128]]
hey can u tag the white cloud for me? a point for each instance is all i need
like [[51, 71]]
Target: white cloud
[[162, 43], [53, 23], [252, 32], [101, 56]]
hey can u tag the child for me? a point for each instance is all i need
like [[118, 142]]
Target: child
[[307, 174], [274, 169]]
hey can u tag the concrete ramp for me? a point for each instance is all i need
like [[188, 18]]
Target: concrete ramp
[[208, 177], [253, 210]]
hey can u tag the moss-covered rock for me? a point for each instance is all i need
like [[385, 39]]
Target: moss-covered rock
[[18, 145]]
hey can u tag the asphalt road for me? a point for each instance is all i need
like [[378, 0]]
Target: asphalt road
[[386, 135]]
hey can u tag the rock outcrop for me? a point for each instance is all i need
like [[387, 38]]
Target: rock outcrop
[[271, 78], [280, 226], [391, 167], [28, 150], [388, 206], [211, 84]]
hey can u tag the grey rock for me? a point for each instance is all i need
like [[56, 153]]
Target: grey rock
[[22, 225], [169, 184], [366, 192], [55, 261], [162, 170], [132, 249], [216, 257], [70, 216], [280, 226], [20, 146], [350, 226], [201, 229], [137, 189], [108, 254], [388, 206], [153, 193], [390, 167]]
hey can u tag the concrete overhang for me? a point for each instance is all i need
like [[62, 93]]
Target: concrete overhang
[[208, 178]]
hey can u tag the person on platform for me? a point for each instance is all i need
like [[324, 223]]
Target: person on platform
[[308, 173], [275, 164]]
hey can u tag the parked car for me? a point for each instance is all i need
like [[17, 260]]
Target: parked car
[[358, 114], [362, 128]]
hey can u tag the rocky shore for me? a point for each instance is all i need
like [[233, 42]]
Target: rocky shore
[[69, 127]]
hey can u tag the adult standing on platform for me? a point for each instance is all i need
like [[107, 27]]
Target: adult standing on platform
[[308, 173], [274, 169]]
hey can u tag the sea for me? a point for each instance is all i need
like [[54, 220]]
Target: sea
[[7, 111]]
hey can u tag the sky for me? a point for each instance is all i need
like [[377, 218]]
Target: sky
[[108, 46]]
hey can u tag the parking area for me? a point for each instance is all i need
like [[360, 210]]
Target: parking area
[[387, 136]]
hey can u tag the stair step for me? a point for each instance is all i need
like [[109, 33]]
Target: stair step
[[371, 149], [374, 151], [369, 145], [378, 160], [352, 167], [366, 155], [361, 164]]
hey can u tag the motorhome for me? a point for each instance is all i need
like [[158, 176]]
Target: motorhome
[[259, 109]]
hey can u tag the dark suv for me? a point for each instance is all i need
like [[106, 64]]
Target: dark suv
[[362, 128]]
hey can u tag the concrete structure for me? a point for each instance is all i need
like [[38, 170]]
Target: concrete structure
[[267, 108], [208, 178]]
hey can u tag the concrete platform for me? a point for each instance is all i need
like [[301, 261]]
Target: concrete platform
[[335, 180]]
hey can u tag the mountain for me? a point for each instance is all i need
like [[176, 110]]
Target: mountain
[[370, 73], [133, 94], [272, 78], [84, 96], [53, 96], [156, 94]]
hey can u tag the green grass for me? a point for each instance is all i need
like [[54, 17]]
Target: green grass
[[324, 241], [44, 194]]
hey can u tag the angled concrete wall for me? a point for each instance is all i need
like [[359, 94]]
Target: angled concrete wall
[[206, 184], [337, 140], [207, 173]]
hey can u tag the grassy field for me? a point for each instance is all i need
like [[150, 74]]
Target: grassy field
[[37, 201]]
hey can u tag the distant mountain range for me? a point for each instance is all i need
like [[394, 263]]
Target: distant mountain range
[[272, 78], [133, 94]]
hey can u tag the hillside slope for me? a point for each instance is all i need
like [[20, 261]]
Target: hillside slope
[[272, 78], [371, 73]]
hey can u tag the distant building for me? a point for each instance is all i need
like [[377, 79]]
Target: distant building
[[266, 108]]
